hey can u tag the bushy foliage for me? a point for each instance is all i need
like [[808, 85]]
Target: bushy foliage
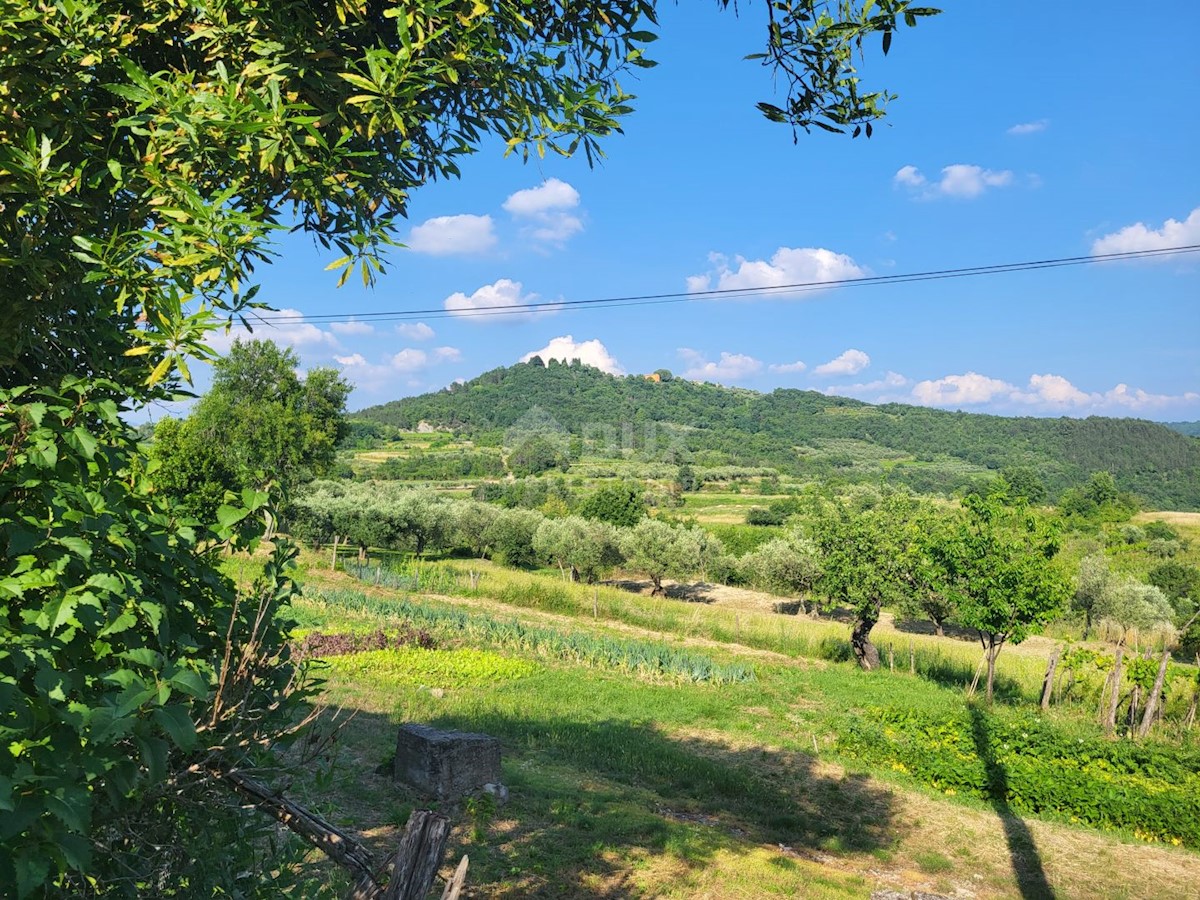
[[127, 658], [510, 537], [789, 566], [260, 423], [1027, 764], [619, 504], [587, 548]]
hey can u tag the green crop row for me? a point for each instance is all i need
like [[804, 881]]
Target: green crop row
[[641, 657]]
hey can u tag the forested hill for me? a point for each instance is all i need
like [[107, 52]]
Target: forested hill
[[804, 430]]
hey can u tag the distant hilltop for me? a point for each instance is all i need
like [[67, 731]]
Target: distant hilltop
[[806, 432]]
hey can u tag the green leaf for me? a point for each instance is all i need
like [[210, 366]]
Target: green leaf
[[35, 411], [78, 546], [228, 516], [176, 722]]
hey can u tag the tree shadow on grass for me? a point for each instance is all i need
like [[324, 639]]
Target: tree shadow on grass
[[1022, 849], [950, 630], [699, 592], [594, 801]]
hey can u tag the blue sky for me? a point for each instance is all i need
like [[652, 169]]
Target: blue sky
[[1023, 131]]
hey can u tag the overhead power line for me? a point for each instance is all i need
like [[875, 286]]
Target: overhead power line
[[802, 287]]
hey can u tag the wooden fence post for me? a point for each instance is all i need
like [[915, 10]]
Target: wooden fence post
[[1048, 684]]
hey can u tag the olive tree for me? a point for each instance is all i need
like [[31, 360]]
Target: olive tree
[[583, 548], [662, 550], [787, 566]]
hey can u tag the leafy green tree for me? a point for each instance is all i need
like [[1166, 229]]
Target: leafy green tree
[[1024, 483], [259, 423], [535, 455], [1179, 581], [926, 593], [471, 521], [860, 556], [663, 551], [510, 537], [582, 547], [192, 469], [789, 567], [1091, 583], [686, 479], [621, 504], [1001, 574]]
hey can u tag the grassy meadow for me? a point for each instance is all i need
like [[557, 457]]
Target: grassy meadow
[[672, 747]]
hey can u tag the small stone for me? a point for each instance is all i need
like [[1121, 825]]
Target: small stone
[[497, 790], [437, 693]]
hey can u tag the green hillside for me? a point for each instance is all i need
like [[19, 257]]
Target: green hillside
[[806, 433], [1192, 429]]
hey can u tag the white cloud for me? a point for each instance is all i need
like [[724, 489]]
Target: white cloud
[[962, 390], [414, 331], [352, 328], [504, 295], [1121, 396], [543, 210], [409, 360], [1030, 127], [1054, 390], [849, 363], [464, 235], [550, 194], [787, 368], [590, 353], [959, 181], [788, 265], [285, 327], [395, 369], [1048, 393], [1139, 237], [910, 176], [882, 390], [730, 367]]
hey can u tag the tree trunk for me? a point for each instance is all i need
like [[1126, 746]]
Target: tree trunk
[[1110, 717], [658, 588], [939, 628], [333, 558], [992, 652], [1048, 683], [1153, 700], [860, 642]]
